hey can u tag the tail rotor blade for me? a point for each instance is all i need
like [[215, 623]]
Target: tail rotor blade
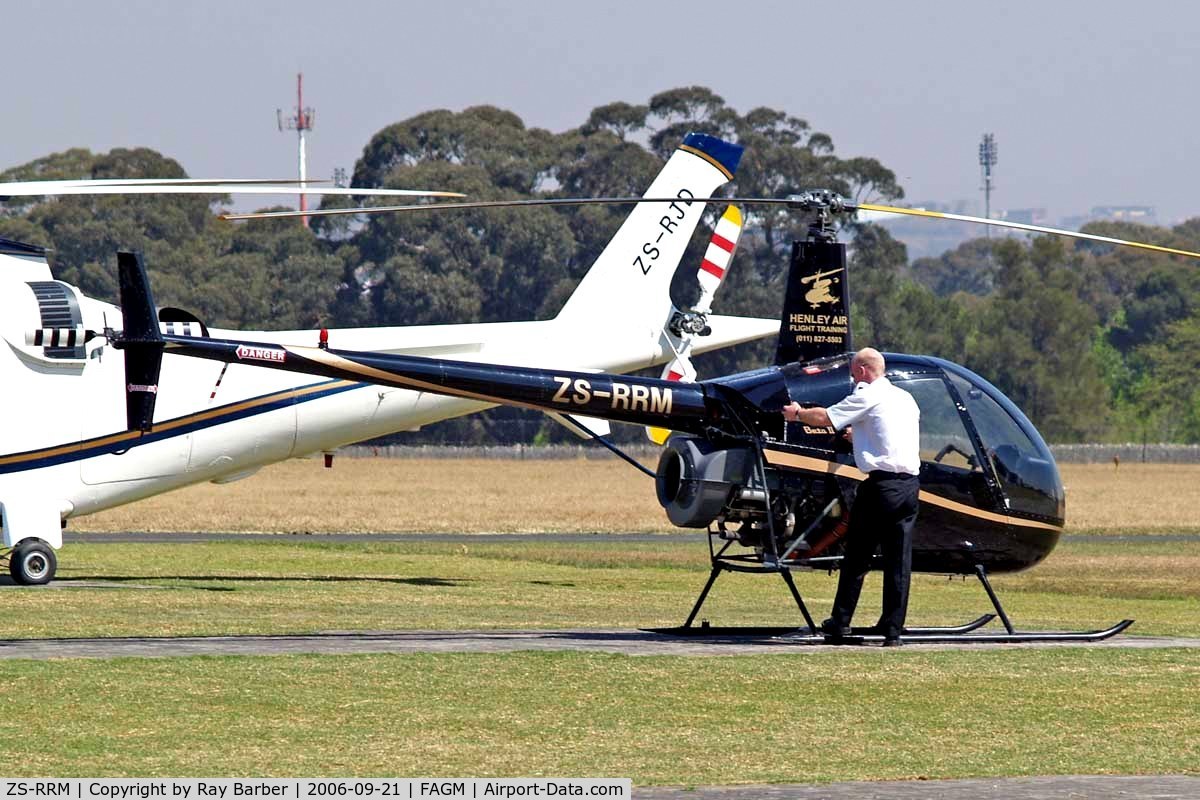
[[718, 257], [680, 369], [713, 269]]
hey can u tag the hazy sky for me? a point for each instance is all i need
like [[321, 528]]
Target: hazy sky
[[1089, 101]]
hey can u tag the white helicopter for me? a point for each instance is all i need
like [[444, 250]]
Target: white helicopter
[[65, 450]]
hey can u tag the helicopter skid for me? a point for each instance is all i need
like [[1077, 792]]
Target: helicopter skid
[[1015, 637], [960, 634], [777, 631], [808, 633]]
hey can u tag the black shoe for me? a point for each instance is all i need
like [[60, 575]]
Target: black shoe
[[833, 630], [893, 641]]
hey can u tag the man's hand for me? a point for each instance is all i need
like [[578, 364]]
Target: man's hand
[[848, 434], [816, 417]]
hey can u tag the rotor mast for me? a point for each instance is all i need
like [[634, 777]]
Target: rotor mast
[[300, 122]]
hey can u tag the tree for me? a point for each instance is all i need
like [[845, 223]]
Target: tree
[[1167, 398], [967, 268], [1035, 342]]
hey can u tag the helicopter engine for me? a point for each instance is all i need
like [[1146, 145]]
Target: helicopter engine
[[700, 483], [697, 480]]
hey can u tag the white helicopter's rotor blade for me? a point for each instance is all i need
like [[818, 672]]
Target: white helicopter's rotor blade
[[1020, 226], [547, 201], [58, 184], [189, 186], [332, 212]]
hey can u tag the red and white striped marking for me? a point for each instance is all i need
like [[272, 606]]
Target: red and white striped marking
[[718, 256], [217, 385]]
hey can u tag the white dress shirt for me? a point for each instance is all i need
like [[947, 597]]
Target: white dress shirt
[[886, 423]]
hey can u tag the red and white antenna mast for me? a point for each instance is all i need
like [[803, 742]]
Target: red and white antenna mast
[[300, 122]]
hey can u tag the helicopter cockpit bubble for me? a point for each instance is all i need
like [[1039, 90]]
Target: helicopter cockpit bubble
[[1022, 462], [976, 446]]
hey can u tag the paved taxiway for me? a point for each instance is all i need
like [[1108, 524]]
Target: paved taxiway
[[627, 642]]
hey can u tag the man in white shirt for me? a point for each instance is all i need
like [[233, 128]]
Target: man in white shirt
[[883, 422]]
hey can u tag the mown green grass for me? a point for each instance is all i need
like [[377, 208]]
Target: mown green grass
[[299, 585], [847, 715]]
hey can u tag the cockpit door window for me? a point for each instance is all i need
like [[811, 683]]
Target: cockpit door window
[[1027, 474]]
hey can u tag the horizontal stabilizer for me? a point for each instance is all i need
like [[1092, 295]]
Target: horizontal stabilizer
[[727, 331], [583, 427]]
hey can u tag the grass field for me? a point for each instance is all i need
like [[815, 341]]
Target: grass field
[[853, 714], [867, 715], [299, 584], [397, 495]]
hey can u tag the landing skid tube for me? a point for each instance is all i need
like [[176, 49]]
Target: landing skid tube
[[958, 634], [1017, 637]]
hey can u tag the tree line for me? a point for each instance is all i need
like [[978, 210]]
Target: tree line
[[1094, 342]]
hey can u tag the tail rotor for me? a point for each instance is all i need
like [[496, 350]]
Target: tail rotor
[[687, 325]]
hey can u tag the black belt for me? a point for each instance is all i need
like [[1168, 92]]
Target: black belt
[[883, 474]]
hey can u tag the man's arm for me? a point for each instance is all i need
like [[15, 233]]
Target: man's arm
[[816, 417]]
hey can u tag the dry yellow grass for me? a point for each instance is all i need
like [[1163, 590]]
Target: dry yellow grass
[[487, 495], [384, 495], [1162, 498]]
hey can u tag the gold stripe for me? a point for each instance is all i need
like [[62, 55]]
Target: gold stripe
[[689, 149], [818, 465], [403, 381], [172, 424], [813, 464]]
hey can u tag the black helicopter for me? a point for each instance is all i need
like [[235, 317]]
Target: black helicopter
[[774, 496]]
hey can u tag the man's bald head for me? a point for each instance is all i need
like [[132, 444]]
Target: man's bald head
[[871, 362]]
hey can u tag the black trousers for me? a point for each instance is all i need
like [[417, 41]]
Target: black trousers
[[883, 515]]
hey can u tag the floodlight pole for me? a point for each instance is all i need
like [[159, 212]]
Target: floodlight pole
[[987, 159], [302, 121]]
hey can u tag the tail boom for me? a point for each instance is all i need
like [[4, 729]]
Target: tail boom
[[619, 398]]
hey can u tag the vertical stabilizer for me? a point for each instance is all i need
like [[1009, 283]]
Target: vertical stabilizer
[[141, 340], [631, 279], [816, 309]]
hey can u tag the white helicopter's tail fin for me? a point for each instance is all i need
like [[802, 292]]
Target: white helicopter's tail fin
[[631, 279]]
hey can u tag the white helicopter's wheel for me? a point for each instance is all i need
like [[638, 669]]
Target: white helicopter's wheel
[[32, 563]]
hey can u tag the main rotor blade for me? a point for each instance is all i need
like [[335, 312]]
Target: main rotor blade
[[163, 181], [1021, 226], [790, 202], [198, 186], [11, 190], [550, 201]]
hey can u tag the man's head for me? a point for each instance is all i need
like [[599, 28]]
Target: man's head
[[867, 365]]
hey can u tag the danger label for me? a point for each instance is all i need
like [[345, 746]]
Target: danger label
[[245, 353]]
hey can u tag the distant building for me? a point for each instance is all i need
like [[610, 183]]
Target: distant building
[[1141, 214], [1024, 216], [929, 237]]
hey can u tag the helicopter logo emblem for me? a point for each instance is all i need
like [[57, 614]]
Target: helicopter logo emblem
[[820, 291]]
